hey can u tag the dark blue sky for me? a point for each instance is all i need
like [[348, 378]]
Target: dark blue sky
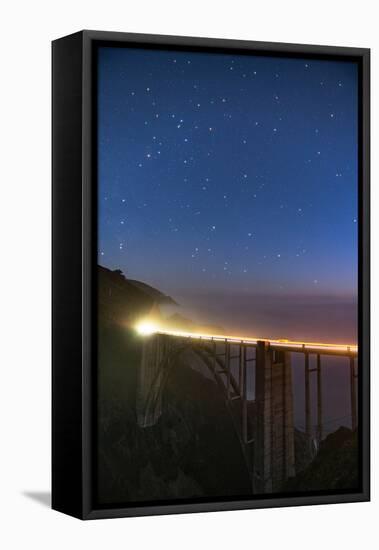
[[228, 174]]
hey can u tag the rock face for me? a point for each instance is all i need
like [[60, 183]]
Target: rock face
[[335, 467]]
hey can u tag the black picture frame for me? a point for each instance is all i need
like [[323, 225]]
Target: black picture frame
[[74, 257]]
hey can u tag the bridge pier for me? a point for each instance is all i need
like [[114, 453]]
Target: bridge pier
[[307, 400], [274, 456], [320, 430], [353, 395]]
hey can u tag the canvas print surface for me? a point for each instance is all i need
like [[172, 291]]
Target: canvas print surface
[[227, 276]]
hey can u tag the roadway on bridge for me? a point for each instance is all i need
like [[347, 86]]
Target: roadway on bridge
[[147, 328]]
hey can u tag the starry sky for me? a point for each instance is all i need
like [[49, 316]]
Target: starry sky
[[230, 183]]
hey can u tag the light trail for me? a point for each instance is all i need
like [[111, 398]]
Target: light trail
[[148, 328]]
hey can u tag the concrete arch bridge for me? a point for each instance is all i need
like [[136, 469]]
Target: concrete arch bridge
[[247, 371]]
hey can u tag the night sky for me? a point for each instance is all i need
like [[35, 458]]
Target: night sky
[[230, 183]]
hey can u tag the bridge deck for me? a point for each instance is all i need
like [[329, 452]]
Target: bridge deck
[[280, 345]]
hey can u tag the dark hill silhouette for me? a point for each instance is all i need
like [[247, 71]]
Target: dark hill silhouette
[[123, 300], [335, 466]]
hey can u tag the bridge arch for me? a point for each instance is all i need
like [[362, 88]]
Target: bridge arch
[[206, 352]]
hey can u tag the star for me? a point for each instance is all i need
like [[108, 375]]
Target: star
[[286, 170]]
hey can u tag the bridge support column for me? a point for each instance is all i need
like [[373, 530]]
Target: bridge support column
[[320, 431], [307, 399], [353, 395], [274, 455], [149, 397]]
